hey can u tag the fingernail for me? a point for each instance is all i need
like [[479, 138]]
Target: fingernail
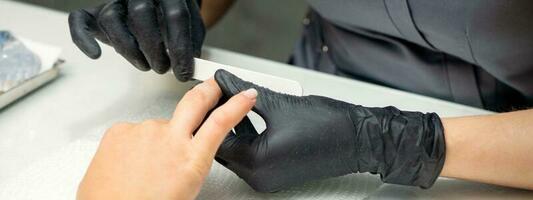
[[250, 93]]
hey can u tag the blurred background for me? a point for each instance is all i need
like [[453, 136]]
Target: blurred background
[[267, 29]]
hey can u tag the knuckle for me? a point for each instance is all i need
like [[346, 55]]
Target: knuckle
[[106, 16], [141, 6], [221, 118], [151, 128], [177, 14], [198, 93], [75, 15], [240, 100], [150, 124], [126, 41], [120, 126], [117, 129]]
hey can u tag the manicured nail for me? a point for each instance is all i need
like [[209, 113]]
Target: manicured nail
[[250, 93]]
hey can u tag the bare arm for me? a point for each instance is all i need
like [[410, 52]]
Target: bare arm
[[495, 149], [213, 10]]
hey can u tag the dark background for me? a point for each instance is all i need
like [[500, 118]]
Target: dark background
[[267, 29]]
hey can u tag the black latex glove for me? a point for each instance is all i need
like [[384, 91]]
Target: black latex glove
[[315, 137], [142, 31]]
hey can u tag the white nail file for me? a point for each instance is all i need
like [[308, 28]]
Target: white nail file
[[205, 69]]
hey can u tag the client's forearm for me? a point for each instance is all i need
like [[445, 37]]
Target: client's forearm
[[496, 149]]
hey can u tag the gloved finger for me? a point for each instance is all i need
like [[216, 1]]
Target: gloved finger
[[177, 28], [95, 29], [112, 21], [197, 26], [143, 24], [81, 24], [231, 85]]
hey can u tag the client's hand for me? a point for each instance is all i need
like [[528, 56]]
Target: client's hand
[[161, 159]]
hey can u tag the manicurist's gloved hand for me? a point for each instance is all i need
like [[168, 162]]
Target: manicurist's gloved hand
[[150, 34], [315, 137]]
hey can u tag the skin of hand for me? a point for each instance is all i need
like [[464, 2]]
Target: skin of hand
[[151, 34], [165, 159], [313, 137]]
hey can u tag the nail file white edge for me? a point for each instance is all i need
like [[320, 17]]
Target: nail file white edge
[[205, 69]]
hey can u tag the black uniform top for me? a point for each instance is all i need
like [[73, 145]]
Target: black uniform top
[[475, 52]]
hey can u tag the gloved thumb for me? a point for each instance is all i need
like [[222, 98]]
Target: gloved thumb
[[232, 85]]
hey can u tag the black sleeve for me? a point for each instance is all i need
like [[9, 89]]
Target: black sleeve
[[493, 34]]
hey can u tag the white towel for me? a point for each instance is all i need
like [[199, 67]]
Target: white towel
[[57, 176], [53, 177]]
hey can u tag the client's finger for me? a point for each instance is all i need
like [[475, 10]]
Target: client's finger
[[222, 120], [192, 108]]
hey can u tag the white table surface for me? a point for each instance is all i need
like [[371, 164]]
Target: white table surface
[[91, 95]]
